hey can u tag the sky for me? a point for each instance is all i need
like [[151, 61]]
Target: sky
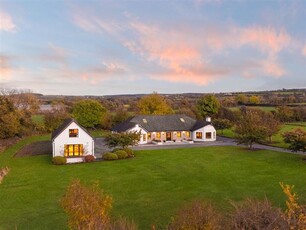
[[106, 47]]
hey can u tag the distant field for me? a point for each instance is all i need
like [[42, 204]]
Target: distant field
[[277, 139], [38, 119], [264, 108], [99, 133], [148, 188]]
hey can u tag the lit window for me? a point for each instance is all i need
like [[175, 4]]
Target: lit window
[[149, 136], [199, 135], [73, 132], [178, 134], [158, 135], [187, 134], [208, 135], [73, 150]]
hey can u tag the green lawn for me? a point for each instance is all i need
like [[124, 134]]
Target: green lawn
[[148, 188], [264, 108], [276, 139]]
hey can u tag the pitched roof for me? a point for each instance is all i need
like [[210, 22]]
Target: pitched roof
[[64, 125], [200, 124], [158, 123]]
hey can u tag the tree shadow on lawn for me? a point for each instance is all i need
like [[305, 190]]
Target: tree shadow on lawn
[[34, 149]]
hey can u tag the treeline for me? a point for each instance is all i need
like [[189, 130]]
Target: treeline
[[18, 108]]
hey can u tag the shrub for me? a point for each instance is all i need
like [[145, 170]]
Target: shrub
[[129, 151], [123, 224], [255, 214], [58, 160], [3, 172], [196, 215], [116, 149], [89, 158], [121, 154], [87, 206], [110, 156]]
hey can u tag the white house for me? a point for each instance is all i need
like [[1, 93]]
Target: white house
[[72, 141], [168, 128]]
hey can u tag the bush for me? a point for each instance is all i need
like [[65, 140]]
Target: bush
[[196, 215], [58, 160], [129, 151], [254, 214], [89, 158], [116, 149], [123, 224], [109, 156], [121, 154]]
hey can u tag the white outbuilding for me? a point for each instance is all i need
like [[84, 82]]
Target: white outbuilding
[[72, 141]]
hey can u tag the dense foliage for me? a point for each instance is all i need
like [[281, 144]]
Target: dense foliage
[[59, 160], [154, 104], [296, 139], [208, 105], [88, 113], [122, 140]]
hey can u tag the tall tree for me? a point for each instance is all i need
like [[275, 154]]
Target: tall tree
[[250, 129], [154, 104], [208, 105], [88, 112], [221, 124], [9, 119], [271, 123]]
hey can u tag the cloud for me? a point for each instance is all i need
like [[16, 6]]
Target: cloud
[[304, 50], [190, 53], [55, 54], [6, 22]]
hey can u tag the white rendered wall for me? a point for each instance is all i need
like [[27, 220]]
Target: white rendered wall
[[64, 139], [204, 130], [137, 129]]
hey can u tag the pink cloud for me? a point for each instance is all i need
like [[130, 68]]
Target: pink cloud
[[272, 68], [266, 39], [304, 51], [55, 54], [6, 22]]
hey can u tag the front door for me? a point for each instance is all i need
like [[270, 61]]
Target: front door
[[168, 136]]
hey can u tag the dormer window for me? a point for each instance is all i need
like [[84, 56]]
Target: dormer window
[[182, 119], [73, 132]]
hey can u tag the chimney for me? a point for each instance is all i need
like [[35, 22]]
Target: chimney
[[208, 119]]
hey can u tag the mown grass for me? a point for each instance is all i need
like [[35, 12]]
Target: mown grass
[[263, 108], [277, 139], [148, 188]]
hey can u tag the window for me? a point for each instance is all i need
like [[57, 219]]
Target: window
[[73, 150], [149, 136], [182, 119], [199, 135], [73, 132], [179, 134], [187, 134], [144, 137], [158, 135], [144, 120], [208, 135]]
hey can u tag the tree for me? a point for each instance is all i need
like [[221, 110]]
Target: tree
[[271, 123], [122, 139], [296, 139], [9, 119], [88, 113], [241, 99], [154, 104], [284, 113], [208, 105], [249, 128], [87, 207], [221, 124], [254, 100]]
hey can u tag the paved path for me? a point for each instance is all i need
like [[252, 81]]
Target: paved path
[[100, 146]]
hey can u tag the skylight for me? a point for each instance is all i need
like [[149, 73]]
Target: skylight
[[182, 119], [144, 120]]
